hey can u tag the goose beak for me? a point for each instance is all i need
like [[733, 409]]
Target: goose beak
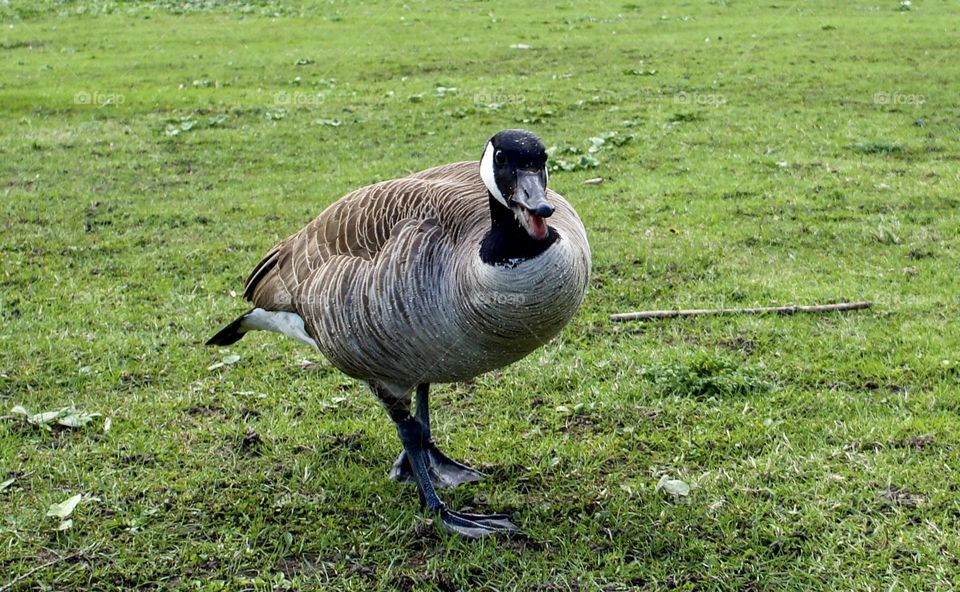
[[530, 204]]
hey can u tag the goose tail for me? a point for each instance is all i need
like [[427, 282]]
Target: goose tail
[[287, 323], [232, 333]]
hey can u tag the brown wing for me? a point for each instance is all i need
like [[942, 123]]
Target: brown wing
[[357, 225]]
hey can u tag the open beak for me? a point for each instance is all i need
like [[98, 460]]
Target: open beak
[[530, 204]]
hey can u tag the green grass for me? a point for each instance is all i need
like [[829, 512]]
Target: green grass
[[151, 152]]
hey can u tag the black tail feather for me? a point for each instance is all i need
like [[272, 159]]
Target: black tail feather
[[230, 334]]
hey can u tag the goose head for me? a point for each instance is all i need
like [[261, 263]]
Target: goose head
[[514, 169]]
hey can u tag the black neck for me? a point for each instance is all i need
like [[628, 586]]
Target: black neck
[[508, 243]]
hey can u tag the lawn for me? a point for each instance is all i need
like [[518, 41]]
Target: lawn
[[752, 154]]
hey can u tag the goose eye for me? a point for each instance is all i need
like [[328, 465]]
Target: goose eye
[[499, 157]]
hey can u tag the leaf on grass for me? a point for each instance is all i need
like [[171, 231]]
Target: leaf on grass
[[582, 163], [231, 359], [675, 487], [65, 524], [72, 418], [333, 403], [64, 508], [69, 417], [184, 125], [41, 419], [574, 409], [46, 417], [7, 483], [107, 423]]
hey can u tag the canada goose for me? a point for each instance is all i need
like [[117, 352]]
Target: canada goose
[[435, 277]]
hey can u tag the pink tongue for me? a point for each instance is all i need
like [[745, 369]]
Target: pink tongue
[[538, 228]]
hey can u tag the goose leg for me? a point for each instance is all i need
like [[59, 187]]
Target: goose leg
[[472, 526], [444, 472]]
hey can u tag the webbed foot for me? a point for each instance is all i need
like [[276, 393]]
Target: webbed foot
[[475, 526], [445, 473]]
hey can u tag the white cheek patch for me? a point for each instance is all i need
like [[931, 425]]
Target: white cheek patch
[[487, 173]]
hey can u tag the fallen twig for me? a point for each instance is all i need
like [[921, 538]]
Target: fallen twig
[[784, 310], [44, 566]]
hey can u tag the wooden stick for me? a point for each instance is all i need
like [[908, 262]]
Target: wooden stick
[[784, 310]]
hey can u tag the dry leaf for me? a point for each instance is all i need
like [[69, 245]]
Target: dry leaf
[[675, 487], [64, 508]]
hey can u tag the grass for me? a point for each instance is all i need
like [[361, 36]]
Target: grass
[[752, 155]]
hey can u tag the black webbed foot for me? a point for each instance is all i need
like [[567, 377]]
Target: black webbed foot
[[444, 472], [475, 526]]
